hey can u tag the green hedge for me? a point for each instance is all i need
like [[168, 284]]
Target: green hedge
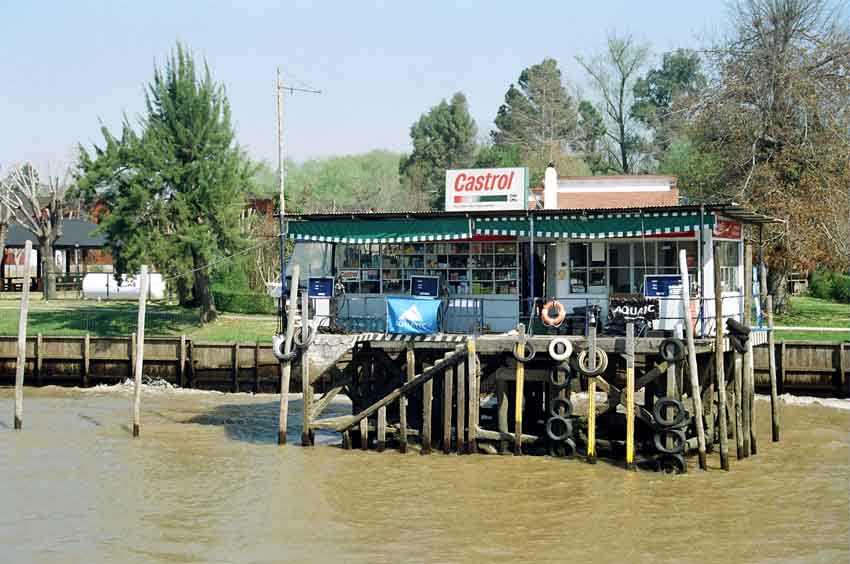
[[830, 286], [243, 302]]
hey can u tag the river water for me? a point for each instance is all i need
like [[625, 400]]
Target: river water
[[207, 483]]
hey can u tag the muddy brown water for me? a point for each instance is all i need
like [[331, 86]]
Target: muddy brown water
[[207, 483]]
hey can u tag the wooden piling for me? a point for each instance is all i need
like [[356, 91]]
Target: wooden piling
[[771, 364], [364, 433], [448, 377], [519, 396], [738, 374], [474, 396], [692, 359], [591, 390], [286, 367], [181, 362], [720, 378], [86, 360], [460, 416], [410, 364], [39, 356], [381, 428], [21, 360], [256, 386], [630, 395], [140, 350], [747, 357], [427, 406], [502, 410], [306, 385], [234, 368]]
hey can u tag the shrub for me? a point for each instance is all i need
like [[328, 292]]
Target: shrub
[[243, 302], [841, 288], [821, 285]]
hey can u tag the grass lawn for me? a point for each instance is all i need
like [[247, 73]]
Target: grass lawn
[[814, 312]]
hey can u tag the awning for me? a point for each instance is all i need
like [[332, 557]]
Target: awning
[[359, 231], [595, 226]]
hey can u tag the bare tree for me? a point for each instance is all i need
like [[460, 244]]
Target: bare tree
[[613, 74], [5, 219], [39, 209]]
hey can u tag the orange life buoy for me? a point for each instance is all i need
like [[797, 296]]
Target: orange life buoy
[[560, 313]]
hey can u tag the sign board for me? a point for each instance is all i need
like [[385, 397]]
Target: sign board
[[320, 287], [428, 286], [636, 307], [660, 286], [487, 189], [727, 229], [412, 316]]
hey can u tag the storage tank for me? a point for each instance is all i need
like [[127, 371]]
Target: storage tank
[[104, 286]]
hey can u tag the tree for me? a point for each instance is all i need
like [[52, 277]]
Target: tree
[[39, 209], [664, 95], [443, 138], [776, 117], [613, 74], [5, 219], [590, 138], [175, 189], [538, 116]]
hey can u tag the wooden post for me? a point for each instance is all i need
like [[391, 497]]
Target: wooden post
[[630, 395], [39, 355], [427, 406], [382, 429], [410, 364], [86, 359], [364, 433], [738, 372], [181, 362], [502, 406], [708, 406], [256, 367], [692, 359], [718, 364], [747, 357], [234, 368], [448, 377], [771, 365], [519, 396], [286, 368], [782, 364], [474, 396], [591, 389], [139, 357], [306, 385], [461, 408], [21, 360], [131, 354]]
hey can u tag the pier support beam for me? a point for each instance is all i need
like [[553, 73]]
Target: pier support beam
[[21, 359], [140, 351], [692, 359], [306, 385], [771, 364], [718, 363], [286, 368], [591, 388], [410, 364], [448, 377], [519, 397], [473, 381], [427, 407], [630, 395]]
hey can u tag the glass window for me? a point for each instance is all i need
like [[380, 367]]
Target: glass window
[[621, 281], [578, 280], [667, 254], [578, 254], [619, 254], [645, 253]]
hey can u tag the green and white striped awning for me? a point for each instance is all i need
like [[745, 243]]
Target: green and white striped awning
[[360, 231], [596, 226]]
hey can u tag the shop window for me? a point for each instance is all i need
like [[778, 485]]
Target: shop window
[[729, 257]]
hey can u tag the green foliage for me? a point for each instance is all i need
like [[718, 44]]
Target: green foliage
[[828, 285], [174, 190], [498, 156], [590, 139], [243, 302], [443, 138], [700, 173], [234, 275]]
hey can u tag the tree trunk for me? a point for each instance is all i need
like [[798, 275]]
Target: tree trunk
[[203, 292], [777, 286], [48, 268], [4, 232]]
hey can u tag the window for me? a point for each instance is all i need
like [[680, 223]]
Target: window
[[729, 257], [620, 265]]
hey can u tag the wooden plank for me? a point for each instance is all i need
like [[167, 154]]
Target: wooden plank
[[591, 390], [502, 407], [286, 367], [381, 429], [519, 396], [718, 368], [692, 359], [410, 364], [140, 351], [460, 416], [21, 360], [771, 366], [504, 437], [324, 402], [448, 377], [630, 395], [86, 360], [306, 385], [473, 382]]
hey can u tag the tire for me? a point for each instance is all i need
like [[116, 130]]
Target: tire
[[557, 403], [559, 429], [678, 441], [553, 349], [569, 448], [568, 376], [529, 350], [566, 449], [672, 464], [296, 337], [739, 343], [601, 363], [658, 413], [672, 349], [737, 327]]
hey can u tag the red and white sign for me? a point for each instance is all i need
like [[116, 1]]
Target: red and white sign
[[727, 229], [486, 189]]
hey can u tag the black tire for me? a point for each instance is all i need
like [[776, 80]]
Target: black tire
[[658, 413], [736, 327], [529, 350], [296, 337], [672, 349], [569, 448], [559, 434], [568, 376], [659, 441], [557, 403], [738, 342], [672, 464]]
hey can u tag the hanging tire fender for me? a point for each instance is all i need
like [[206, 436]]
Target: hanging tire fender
[[557, 342], [658, 412], [553, 376], [601, 363], [560, 403], [559, 428], [529, 351], [659, 440], [672, 349]]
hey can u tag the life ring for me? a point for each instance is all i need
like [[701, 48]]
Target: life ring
[[559, 428], [672, 349], [560, 313], [554, 345], [528, 347], [660, 408], [560, 403], [601, 363]]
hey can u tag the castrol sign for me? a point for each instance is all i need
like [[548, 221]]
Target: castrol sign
[[486, 189]]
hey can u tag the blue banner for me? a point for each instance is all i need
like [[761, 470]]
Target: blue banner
[[412, 316]]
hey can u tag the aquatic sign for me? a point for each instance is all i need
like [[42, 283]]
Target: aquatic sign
[[633, 308], [413, 315]]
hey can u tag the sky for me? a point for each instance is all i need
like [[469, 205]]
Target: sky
[[67, 67]]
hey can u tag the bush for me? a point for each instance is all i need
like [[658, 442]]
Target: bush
[[828, 285], [243, 302], [841, 288]]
